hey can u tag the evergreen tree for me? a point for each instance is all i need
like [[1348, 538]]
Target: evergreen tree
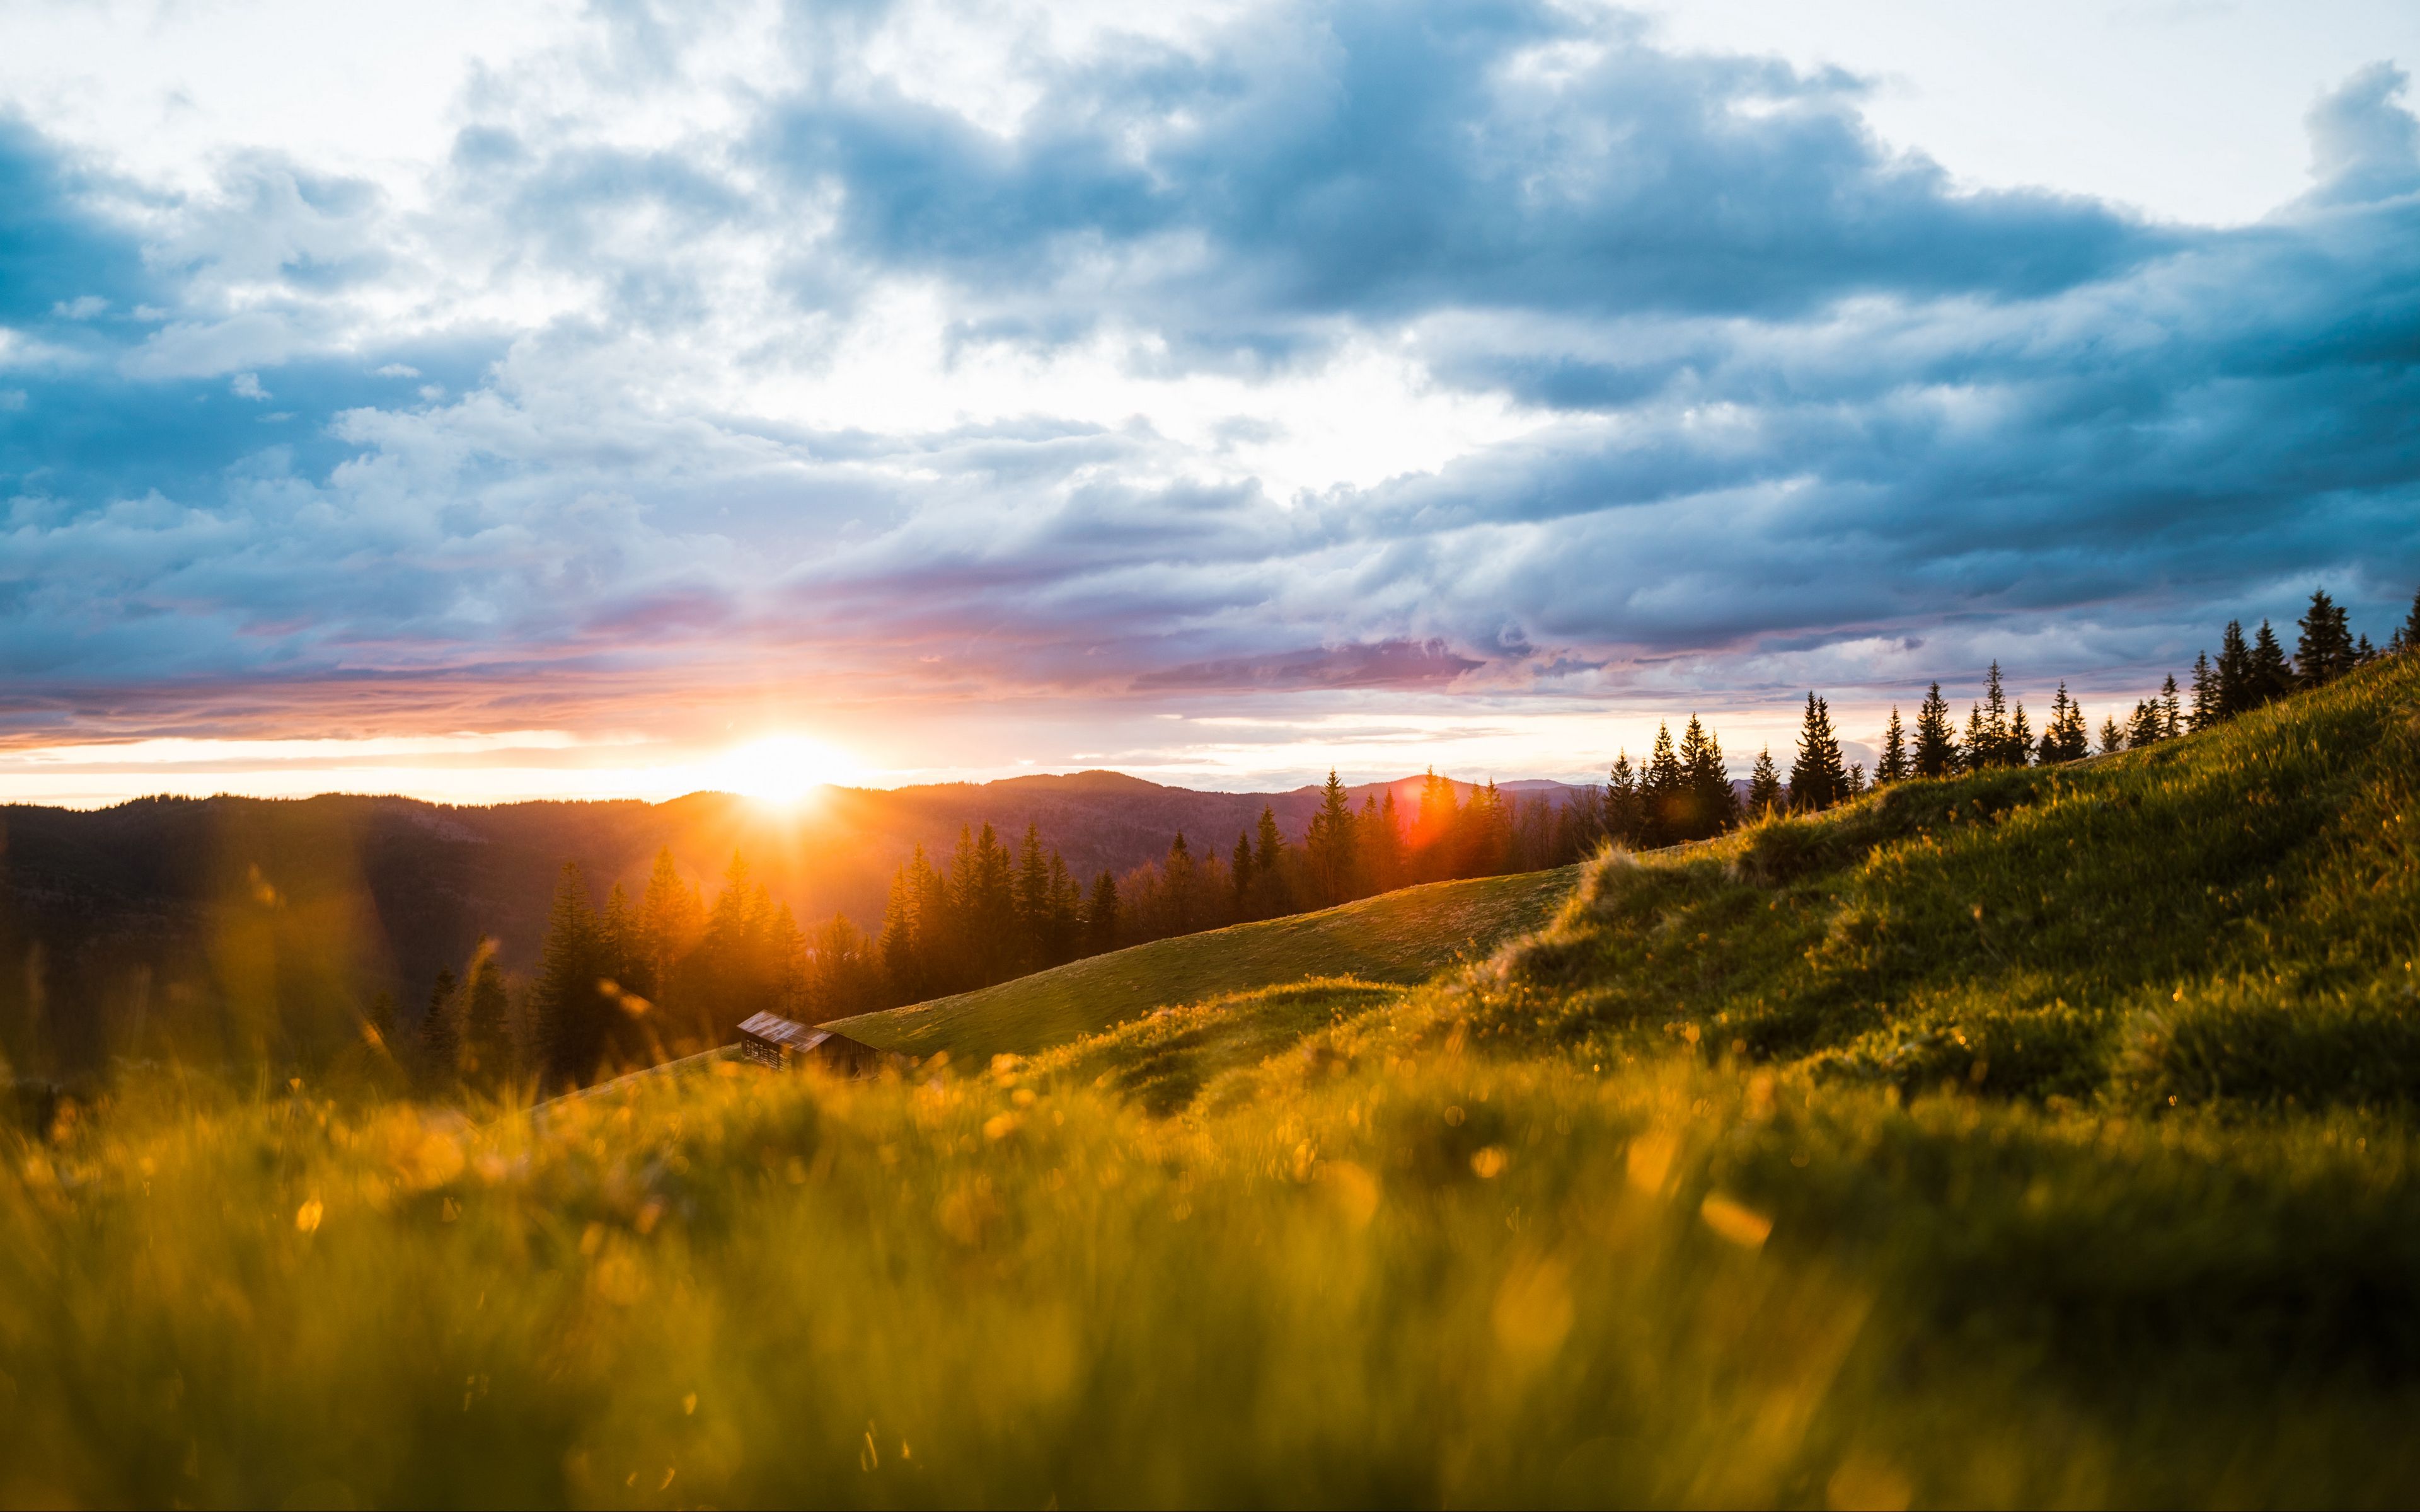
[[1030, 899], [2364, 653], [2066, 737], [1663, 791], [902, 959], [2144, 728], [622, 953], [441, 1030], [2205, 694], [1936, 751], [1066, 911], [1713, 806], [2273, 675], [2018, 748], [1382, 842], [486, 1027], [1856, 778], [1625, 808], [1817, 778], [1488, 831], [2234, 680], [572, 1021], [1764, 794], [1239, 876], [2172, 717], [2113, 739], [1101, 914], [1893, 766], [2408, 636], [672, 921], [2325, 650], [1989, 743], [841, 976], [1328, 848], [1979, 748], [1274, 894]]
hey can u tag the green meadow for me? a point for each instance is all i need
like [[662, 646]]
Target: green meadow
[[2037, 1137], [1403, 937]]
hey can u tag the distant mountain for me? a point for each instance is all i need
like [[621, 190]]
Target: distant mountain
[[132, 909]]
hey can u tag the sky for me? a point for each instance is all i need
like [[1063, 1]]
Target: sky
[[611, 400]]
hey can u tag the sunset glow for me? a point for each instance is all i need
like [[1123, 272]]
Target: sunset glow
[[785, 770]]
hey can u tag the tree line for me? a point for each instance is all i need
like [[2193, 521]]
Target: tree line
[[631, 982]]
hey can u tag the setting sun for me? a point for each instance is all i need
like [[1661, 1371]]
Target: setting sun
[[778, 769]]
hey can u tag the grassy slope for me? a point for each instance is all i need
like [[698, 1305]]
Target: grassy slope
[[1773, 1172], [1404, 936], [2232, 916]]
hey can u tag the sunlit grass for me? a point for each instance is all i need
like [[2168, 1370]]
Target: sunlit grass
[[2038, 1138], [1401, 1274]]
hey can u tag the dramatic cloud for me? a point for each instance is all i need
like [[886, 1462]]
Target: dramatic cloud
[[867, 355]]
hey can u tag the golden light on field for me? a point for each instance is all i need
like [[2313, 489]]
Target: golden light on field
[[778, 769]]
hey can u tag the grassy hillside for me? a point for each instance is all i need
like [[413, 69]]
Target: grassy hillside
[[1832, 1164], [1404, 936]]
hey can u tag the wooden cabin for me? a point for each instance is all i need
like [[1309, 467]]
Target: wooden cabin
[[770, 1040]]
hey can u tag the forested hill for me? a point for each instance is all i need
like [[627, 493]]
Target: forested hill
[[119, 908]]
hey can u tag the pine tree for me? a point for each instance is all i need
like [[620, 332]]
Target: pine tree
[[1988, 743], [1270, 867], [672, 920], [1328, 847], [1937, 745], [1764, 794], [2205, 694], [487, 1029], [2172, 718], [570, 1013], [2273, 675], [1030, 899], [1239, 876], [1978, 748], [1711, 807], [2144, 728], [621, 951], [1625, 811], [1101, 914], [441, 1030], [2234, 680], [1663, 790], [2364, 653], [2018, 748], [2066, 737], [1893, 766], [2407, 638], [2325, 650], [1817, 778], [2113, 739]]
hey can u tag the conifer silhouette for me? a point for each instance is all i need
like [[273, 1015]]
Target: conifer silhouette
[[1817, 778], [1713, 806], [1893, 765], [2272, 675], [1663, 790], [2325, 650], [1764, 791], [1936, 745]]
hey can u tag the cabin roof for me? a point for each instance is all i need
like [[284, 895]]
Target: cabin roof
[[779, 1030]]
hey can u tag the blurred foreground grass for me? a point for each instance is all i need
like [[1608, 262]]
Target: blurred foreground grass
[[1398, 1273]]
